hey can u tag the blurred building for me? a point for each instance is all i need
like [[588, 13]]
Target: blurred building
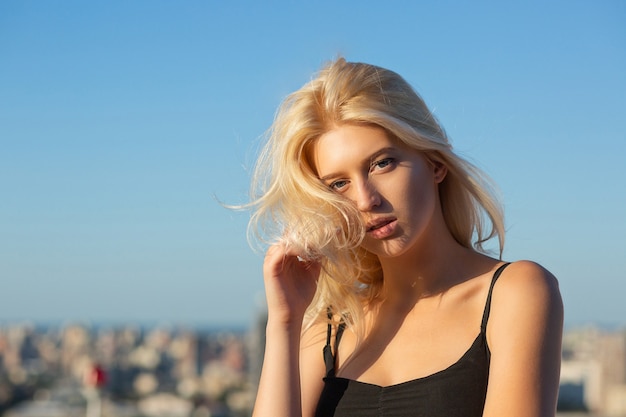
[[177, 371], [45, 371], [593, 372]]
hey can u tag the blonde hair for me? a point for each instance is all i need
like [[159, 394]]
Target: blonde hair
[[290, 202]]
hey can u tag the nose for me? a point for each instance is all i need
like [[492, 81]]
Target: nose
[[367, 196]]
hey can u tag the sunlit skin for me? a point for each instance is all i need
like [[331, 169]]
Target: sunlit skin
[[393, 186], [396, 190], [432, 299]]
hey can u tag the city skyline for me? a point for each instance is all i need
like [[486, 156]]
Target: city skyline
[[137, 371], [124, 127]]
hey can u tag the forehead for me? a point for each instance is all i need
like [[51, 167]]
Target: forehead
[[349, 144]]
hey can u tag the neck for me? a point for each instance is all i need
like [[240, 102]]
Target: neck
[[427, 270]]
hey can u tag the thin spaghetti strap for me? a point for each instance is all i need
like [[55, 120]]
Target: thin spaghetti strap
[[496, 275], [329, 357]]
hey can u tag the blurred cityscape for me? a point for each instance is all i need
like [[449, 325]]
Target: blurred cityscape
[[126, 371], [162, 371]]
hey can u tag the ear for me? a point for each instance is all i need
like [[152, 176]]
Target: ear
[[439, 171]]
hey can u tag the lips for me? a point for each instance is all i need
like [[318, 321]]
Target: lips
[[378, 223], [382, 228]]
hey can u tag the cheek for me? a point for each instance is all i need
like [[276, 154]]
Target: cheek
[[419, 207], [418, 189]]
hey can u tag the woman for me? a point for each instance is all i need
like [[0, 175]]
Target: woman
[[381, 299]]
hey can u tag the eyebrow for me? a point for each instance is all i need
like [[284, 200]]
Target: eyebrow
[[368, 161]]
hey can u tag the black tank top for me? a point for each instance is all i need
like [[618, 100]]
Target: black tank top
[[457, 391]]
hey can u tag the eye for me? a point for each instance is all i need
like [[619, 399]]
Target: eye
[[381, 164], [338, 185]]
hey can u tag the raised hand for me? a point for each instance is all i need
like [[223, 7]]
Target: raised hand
[[290, 282]]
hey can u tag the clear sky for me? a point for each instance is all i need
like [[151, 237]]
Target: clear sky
[[121, 122]]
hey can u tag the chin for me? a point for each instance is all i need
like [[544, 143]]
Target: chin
[[387, 248]]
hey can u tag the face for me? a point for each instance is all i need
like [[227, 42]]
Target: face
[[393, 186]]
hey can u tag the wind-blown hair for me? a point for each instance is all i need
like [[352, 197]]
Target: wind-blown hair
[[290, 202]]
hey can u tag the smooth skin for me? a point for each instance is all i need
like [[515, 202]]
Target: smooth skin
[[433, 295]]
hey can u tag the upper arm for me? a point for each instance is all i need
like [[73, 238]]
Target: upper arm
[[312, 367], [524, 335]]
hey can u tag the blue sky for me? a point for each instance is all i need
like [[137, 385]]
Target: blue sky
[[121, 123]]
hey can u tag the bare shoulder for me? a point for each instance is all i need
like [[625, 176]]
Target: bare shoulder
[[314, 335], [527, 296], [524, 337], [312, 343], [523, 278]]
